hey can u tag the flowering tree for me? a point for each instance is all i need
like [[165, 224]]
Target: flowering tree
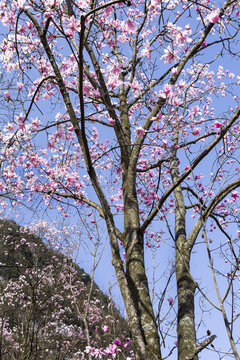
[[123, 118], [43, 301]]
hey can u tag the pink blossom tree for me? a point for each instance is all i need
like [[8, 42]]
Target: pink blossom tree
[[130, 113], [43, 301]]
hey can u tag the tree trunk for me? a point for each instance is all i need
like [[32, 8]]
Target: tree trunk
[[138, 285], [185, 284]]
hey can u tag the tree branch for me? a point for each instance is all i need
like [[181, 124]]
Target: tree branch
[[203, 154], [200, 347]]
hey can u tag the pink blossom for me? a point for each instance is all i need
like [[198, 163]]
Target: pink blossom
[[169, 56], [217, 124], [135, 85], [126, 345], [117, 342], [167, 89], [113, 81], [234, 195], [181, 84], [73, 25], [159, 116], [20, 4], [90, 350], [195, 110], [140, 131], [20, 85], [214, 16], [196, 131], [111, 121], [146, 51], [99, 353], [7, 94], [170, 301], [105, 328], [108, 10], [131, 26], [111, 349], [21, 121]]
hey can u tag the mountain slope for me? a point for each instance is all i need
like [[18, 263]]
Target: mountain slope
[[45, 308]]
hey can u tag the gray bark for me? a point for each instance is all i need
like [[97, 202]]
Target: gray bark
[[185, 285]]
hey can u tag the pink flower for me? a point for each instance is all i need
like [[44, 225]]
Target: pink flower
[[105, 328], [234, 195], [135, 85], [112, 349], [170, 301], [195, 110], [108, 10], [117, 342], [167, 89], [146, 51], [116, 69], [73, 25], [214, 16], [196, 131], [111, 121], [21, 121], [140, 131], [169, 56], [20, 85], [7, 95], [217, 124], [131, 26], [20, 4], [89, 350]]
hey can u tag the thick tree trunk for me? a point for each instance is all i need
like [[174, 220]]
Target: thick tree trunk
[[136, 277], [185, 285], [138, 285], [134, 289], [185, 290]]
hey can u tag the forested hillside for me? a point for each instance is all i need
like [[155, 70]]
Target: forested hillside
[[47, 307]]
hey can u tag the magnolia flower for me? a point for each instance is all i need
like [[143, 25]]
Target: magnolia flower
[[7, 95], [170, 301], [117, 342], [196, 131], [105, 328], [140, 131], [131, 26], [217, 124], [111, 349], [20, 4], [146, 51], [111, 121], [169, 56], [214, 16], [234, 195], [20, 85]]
